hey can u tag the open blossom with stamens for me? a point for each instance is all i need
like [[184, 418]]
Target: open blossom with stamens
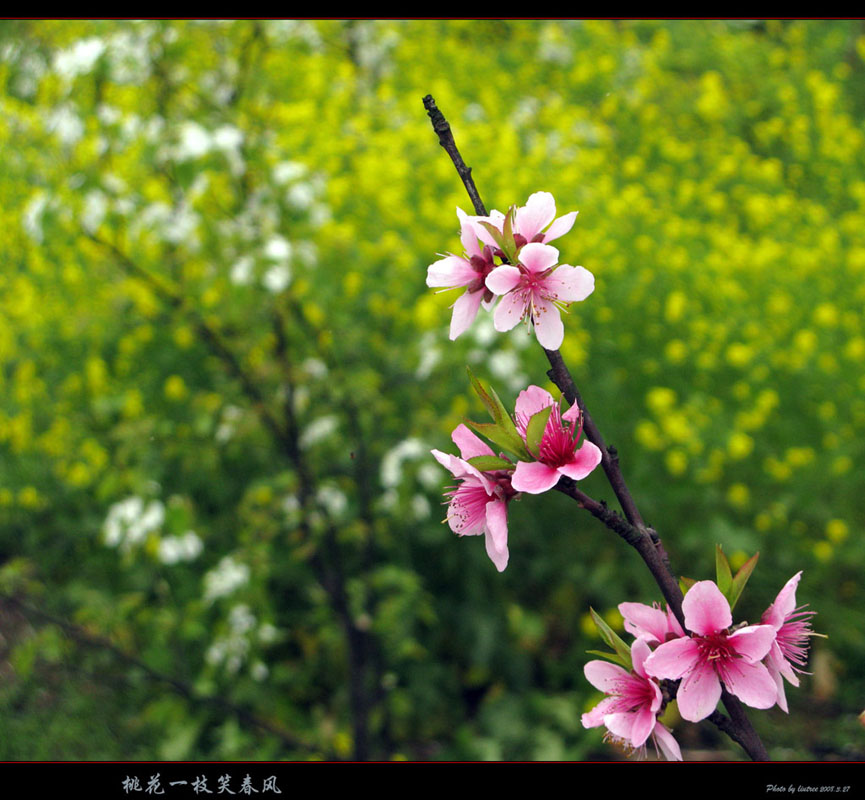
[[559, 452], [536, 289], [534, 222], [469, 270], [792, 625], [632, 703], [478, 504], [712, 654]]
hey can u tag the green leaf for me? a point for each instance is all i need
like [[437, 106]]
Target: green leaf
[[685, 584], [615, 658], [509, 246], [496, 234], [535, 429], [486, 463], [741, 579], [492, 402], [722, 571], [510, 441], [612, 639]]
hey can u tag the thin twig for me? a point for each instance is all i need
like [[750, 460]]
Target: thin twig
[[632, 529]]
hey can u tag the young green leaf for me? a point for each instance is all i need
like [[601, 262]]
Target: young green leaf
[[722, 571], [535, 429], [741, 579], [488, 463], [614, 657], [612, 639], [509, 440]]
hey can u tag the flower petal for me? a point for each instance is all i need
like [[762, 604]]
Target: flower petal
[[465, 311], [706, 609], [640, 651], [502, 279], [450, 272], [532, 400], [470, 445], [549, 327], [585, 460], [751, 683], [673, 659], [537, 257], [605, 675], [560, 227], [784, 605], [699, 691], [510, 310], [535, 215], [644, 622], [497, 533], [468, 235], [668, 745], [754, 642], [595, 717], [534, 477], [569, 284]]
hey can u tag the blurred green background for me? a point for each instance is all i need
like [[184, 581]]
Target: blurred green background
[[222, 374]]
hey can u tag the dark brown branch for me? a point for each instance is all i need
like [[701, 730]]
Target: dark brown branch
[[632, 529], [93, 641], [446, 140]]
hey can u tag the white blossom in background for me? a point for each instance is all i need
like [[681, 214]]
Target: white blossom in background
[[173, 549], [333, 500], [241, 272], [429, 476], [130, 521], [420, 507], [314, 368], [318, 430], [231, 415], [277, 278], [33, 214], [225, 578], [505, 365], [391, 465], [80, 58], [64, 123], [287, 171], [95, 208]]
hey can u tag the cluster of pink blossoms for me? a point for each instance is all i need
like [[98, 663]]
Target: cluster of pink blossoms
[[478, 504], [527, 278], [750, 661]]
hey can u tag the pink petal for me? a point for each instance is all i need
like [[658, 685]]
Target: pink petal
[[640, 651], [665, 741], [470, 445], [585, 460], [451, 271], [468, 235], [510, 310], [496, 218], [569, 284], [560, 227], [779, 688], [549, 327], [673, 659], [639, 725], [751, 683], [532, 400], [572, 415], [706, 609], [753, 642], [784, 605], [605, 675], [699, 691], [465, 311], [644, 622], [497, 531], [534, 477], [595, 717], [535, 215], [444, 459], [537, 257], [502, 279]]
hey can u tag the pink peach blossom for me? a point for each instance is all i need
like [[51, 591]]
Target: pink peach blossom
[[534, 222], [792, 626], [478, 504], [712, 654], [632, 703], [558, 453], [469, 270], [537, 288]]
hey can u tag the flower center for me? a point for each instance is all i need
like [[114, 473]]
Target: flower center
[[715, 647]]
